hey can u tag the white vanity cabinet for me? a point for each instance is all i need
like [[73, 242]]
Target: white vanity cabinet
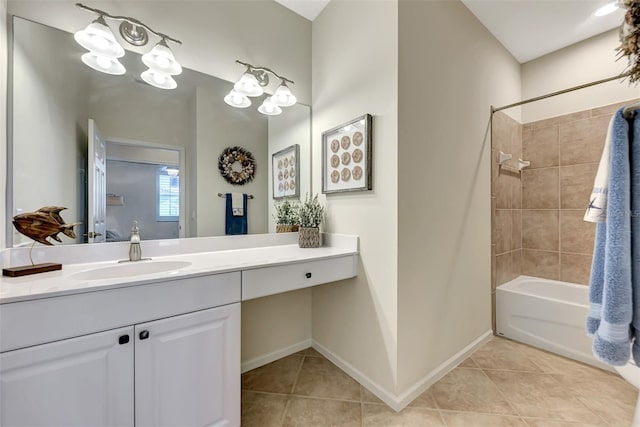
[[179, 367], [187, 369], [84, 381]]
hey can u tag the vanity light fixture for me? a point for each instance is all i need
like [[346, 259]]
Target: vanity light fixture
[[251, 84], [104, 49]]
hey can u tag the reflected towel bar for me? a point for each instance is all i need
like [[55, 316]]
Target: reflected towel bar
[[249, 196]]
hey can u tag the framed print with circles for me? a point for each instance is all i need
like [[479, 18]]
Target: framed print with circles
[[285, 172], [346, 156]]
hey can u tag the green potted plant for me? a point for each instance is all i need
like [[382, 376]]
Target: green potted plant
[[310, 217], [286, 216]]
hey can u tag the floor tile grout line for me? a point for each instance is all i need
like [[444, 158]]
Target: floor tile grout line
[[284, 413], [295, 381], [517, 412], [579, 398]]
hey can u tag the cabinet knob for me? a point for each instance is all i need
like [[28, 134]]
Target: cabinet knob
[[144, 335], [123, 339], [308, 275]]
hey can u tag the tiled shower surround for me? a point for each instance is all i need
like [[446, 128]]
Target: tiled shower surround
[[537, 214]]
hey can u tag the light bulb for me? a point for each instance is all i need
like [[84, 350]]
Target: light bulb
[[248, 85], [162, 62], [283, 96], [99, 42], [103, 62], [159, 78], [269, 108], [98, 38], [237, 99], [160, 58]]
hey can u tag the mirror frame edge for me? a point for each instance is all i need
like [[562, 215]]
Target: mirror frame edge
[[9, 136]]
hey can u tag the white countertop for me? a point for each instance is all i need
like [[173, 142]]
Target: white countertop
[[63, 282]]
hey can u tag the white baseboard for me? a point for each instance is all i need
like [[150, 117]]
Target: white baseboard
[[399, 402], [443, 369], [256, 362], [382, 393]]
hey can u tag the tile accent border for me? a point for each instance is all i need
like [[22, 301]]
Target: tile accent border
[[399, 402]]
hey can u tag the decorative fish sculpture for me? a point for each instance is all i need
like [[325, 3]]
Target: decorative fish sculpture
[[43, 223]]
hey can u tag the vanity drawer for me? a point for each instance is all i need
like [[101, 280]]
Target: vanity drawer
[[27, 323], [261, 282]]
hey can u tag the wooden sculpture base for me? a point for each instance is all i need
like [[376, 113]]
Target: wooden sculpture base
[[25, 270]]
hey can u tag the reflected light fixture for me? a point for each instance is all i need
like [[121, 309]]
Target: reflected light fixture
[[607, 9], [251, 84], [172, 170], [237, 99], [104, 49], [269, 107]]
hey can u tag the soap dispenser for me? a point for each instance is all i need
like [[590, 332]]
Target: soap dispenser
[[135, 252]]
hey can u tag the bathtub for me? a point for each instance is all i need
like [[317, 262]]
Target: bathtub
[[546, 314]]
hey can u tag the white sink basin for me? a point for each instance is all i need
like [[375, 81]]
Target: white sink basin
[[131, 269]]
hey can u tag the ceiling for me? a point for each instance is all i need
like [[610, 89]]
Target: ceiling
[[310, 9], [533, 28], [527, 28]]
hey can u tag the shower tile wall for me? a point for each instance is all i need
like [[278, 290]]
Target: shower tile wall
[[506, 201], [543, 234]]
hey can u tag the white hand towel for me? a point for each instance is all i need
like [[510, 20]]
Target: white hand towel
[[237, 204], [597, 209]]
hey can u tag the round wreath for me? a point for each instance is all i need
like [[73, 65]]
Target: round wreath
[[231, 155], [630, 39]]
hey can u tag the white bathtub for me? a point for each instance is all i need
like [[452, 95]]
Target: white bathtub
[[546, 314]]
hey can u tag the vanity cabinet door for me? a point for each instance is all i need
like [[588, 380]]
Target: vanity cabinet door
[[187, 369], [84, 381]]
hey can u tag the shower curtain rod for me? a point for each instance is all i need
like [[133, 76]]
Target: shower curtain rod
[[560, 92]]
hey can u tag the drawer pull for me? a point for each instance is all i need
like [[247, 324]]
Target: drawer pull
[[123, 339], [308, 275], [144, 335]]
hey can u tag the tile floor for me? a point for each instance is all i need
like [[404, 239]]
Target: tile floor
[[504, 383]]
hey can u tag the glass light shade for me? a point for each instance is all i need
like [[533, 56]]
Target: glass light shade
[[283, 96], [269, 108], [248, 85], [98, 38], [161, 59], [103, 64], [158, 79], [607, 9], [237, 99]]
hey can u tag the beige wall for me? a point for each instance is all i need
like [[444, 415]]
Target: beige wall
[[355, 48], [219, 126], [444, 258], [285, 130], [214, 35], [584, 62], [3, 119], [47, 108]]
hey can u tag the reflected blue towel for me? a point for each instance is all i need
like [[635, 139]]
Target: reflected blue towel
[[611, 310], [235, 224], [635, 233]]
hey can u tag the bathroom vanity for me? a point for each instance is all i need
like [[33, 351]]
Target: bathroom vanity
[[153, 343]]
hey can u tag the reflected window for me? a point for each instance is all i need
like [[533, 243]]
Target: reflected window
[[168, 194]]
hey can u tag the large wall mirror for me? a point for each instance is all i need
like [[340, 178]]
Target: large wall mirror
[[161, 147]]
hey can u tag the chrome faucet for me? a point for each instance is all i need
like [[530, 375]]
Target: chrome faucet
[[135, 251]]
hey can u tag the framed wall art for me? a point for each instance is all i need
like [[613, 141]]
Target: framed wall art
[[346, 156], [285, 172]]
